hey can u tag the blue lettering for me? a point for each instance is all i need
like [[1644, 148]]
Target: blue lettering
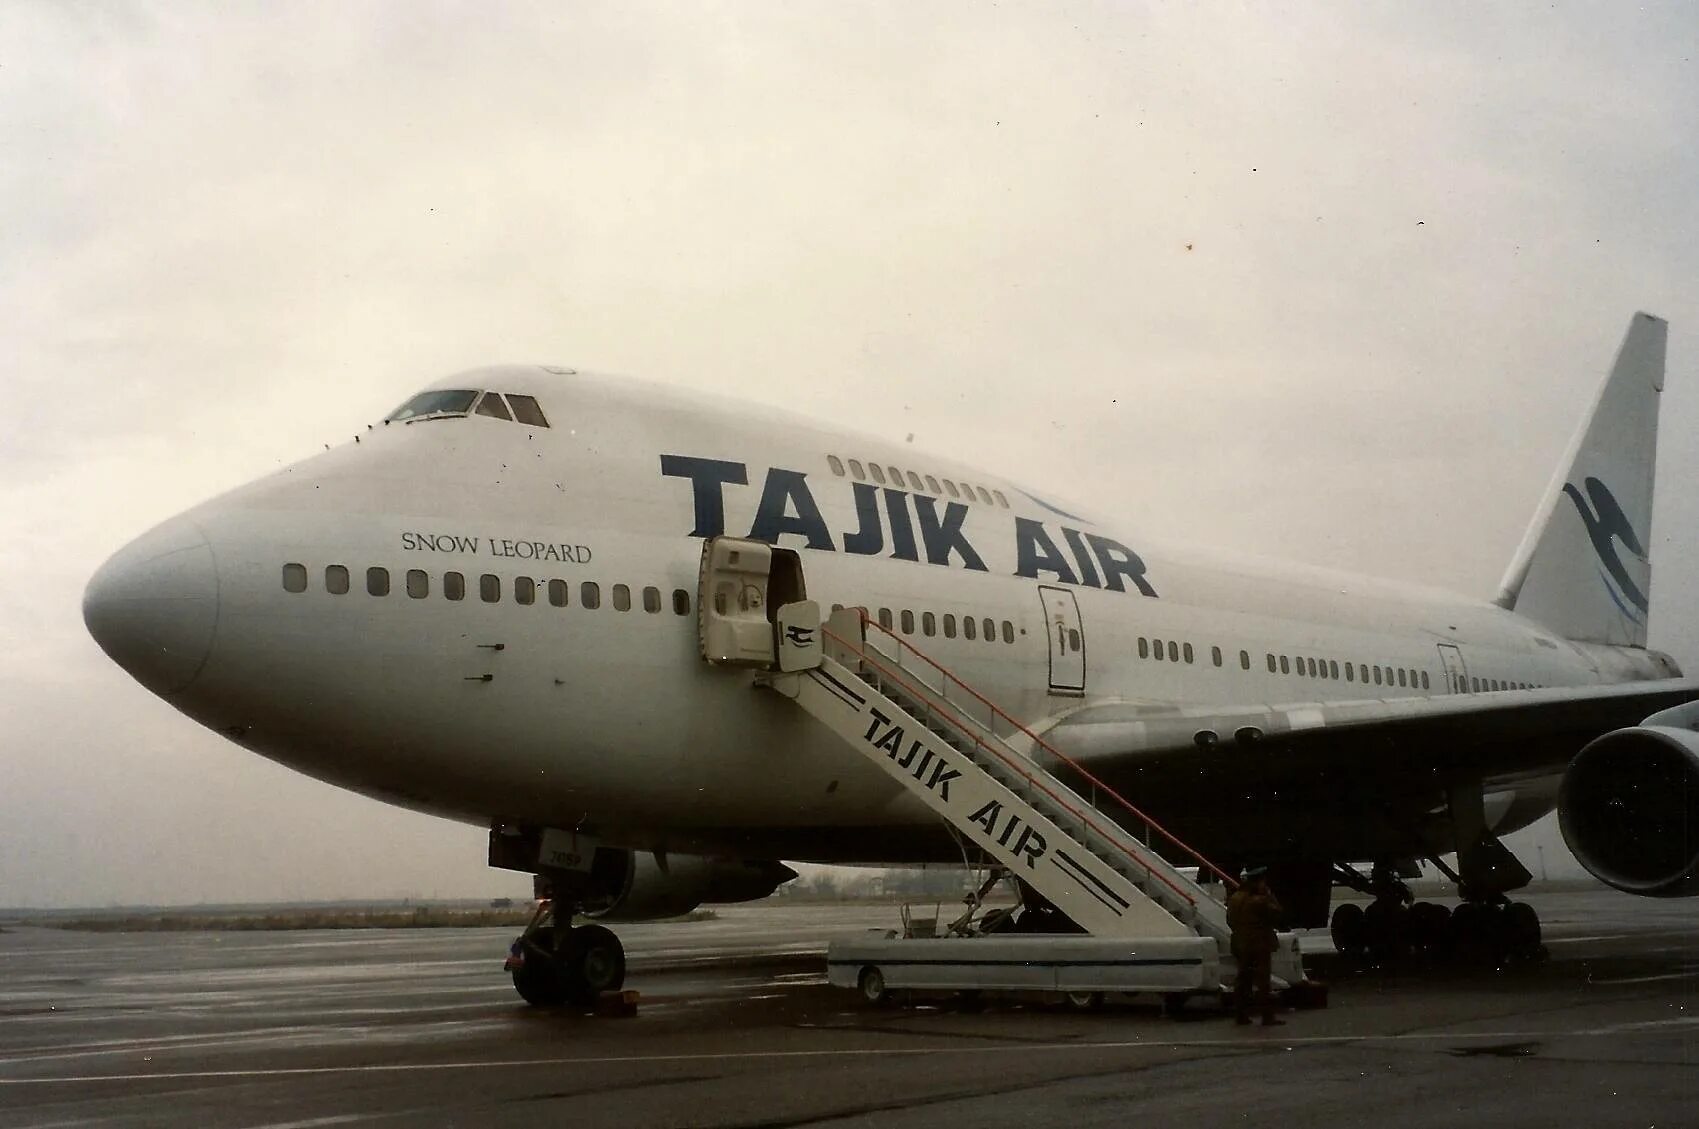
[[1035, 552], [1088, 574], [869, 539], [707, 482], [945, 537], [773, 519], [902, 530], [1118, 561]]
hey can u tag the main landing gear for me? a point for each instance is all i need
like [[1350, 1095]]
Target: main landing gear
[[1487, 930], [555, 963]]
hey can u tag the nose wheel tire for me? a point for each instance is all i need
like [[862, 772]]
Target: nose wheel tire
[[593, 962], [537, 977], [588, 962]]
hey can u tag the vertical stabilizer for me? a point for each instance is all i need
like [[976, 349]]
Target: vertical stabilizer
[[1583, 569]]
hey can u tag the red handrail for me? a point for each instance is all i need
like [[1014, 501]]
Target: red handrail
[[1028, 777], [1196, 855]]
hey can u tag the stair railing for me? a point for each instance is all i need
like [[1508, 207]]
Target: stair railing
[[1014, 762], [996, 714]]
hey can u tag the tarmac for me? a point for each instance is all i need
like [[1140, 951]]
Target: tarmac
[[737, 1027]]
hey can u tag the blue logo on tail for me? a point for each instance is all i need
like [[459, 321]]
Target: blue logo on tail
[[1606, 525]]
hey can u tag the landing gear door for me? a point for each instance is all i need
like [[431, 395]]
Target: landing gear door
[[1067, 640], [1456, 674]]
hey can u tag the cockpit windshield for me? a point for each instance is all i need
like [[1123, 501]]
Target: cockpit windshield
[[434, 405]]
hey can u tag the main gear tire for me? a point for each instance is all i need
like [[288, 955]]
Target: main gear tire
[[1427, 925], [1386, 931], [1522, 927], [1349, 931]]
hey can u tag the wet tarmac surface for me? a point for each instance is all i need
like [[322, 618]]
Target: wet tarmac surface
[[737, 1028]]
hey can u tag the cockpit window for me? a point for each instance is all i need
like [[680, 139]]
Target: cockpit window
[[434, 405], [493, 405], [526, 410]]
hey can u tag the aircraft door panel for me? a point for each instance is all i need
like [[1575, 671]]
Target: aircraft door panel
[[731, 601], [1456, 673], [1067, 640], [740, 587]]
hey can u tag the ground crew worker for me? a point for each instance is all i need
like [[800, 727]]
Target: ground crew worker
[[1252, 912]]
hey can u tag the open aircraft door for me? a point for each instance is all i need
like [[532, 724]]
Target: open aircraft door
[[741, 586], [1067, 640]]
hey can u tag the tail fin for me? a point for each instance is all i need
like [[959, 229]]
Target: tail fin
[[1583, 567]]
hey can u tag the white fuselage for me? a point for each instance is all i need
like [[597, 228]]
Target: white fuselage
[[606, 717]]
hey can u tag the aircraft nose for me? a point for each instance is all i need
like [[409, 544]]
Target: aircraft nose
[[154, 606]]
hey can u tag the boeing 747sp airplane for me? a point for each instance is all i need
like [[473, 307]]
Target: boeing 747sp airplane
[[587, 613]]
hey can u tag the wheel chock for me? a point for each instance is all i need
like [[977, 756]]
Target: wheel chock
[[617, 1005]]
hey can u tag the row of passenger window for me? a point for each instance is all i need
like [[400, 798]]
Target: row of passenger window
[[1305, 667], [947, 624], [1480, 684], [417, 584], [1174, 652], [1353, 672], [897, 478]]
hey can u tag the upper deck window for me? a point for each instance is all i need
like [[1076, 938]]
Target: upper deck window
[[526, 410], [493, 405], [434, 405]]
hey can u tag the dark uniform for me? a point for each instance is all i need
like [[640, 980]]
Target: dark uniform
[[1252, 914]]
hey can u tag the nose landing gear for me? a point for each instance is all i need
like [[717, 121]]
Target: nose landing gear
[[554, 963]]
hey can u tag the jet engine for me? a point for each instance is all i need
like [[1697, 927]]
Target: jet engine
[[1629, 809], [655, 884]]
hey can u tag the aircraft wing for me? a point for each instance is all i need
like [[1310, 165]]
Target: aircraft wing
[[1496, 734]]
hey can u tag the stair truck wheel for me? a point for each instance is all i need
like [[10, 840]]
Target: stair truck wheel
[[1083, 1001], [872, 984]]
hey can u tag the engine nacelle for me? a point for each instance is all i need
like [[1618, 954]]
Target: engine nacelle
[[658, 884], [1629, 809]]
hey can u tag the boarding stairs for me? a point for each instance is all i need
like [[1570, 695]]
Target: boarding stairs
[[1092, 856], [956, 751]]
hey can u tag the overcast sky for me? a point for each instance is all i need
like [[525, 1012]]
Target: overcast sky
[[1331, 283]]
